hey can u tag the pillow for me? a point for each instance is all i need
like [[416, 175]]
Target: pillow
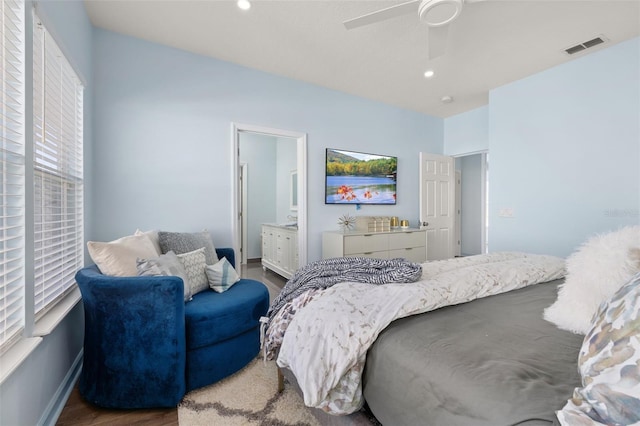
[[222, 275], [118, 258], [166, 264], [153, 236], [180, 242], [594, 273], [194, 264], [609, 363]]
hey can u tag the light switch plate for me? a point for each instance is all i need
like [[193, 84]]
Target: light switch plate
[[507, 212]]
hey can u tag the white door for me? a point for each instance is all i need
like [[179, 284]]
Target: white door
[[437, 204]]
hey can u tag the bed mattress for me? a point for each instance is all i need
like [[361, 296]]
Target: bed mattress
[[494, 361]]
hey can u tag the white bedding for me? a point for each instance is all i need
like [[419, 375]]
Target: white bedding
[[326, 342]]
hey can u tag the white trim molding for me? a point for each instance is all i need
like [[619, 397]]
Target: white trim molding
[[16, 354], [301, 140]]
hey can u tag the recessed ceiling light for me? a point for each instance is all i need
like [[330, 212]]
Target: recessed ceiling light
[[446, 99], [429, 73], [244, 4]]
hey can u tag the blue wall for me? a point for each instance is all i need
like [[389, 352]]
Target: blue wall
[[565, 152], [162, 138], [467, 132], [36, 391]]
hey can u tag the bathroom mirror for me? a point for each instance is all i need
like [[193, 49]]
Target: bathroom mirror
[[293, 190]]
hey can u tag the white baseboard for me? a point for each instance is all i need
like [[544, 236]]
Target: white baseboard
[[57, 403]]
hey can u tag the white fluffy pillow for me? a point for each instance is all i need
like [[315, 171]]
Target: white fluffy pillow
[[602, 265], [153, 236], [118, 258]]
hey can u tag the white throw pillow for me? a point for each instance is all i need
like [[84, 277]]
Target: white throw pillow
[[118, 258], [153, 236], [222, 275], [598, 268]]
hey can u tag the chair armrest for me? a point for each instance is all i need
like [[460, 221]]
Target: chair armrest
[[228, 253], [133, 326], [156, 300], [124, 291]]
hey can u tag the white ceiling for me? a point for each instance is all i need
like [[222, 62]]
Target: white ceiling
[[490, 44]]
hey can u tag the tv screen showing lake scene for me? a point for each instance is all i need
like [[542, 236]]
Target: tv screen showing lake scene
[[359, 178]]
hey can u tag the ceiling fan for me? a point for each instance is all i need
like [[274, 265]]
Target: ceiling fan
[[437, 14]]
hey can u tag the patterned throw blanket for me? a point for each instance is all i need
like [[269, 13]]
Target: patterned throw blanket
[[317, 276], [325, 273]]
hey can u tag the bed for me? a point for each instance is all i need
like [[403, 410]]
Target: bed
[[464, 345], [493, 361]]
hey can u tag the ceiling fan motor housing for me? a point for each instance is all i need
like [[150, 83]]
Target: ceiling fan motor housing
[[436, 13]]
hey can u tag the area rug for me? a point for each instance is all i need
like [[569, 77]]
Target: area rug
[[249, 397]]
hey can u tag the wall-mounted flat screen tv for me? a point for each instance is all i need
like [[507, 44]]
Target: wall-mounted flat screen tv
[[360, 178]]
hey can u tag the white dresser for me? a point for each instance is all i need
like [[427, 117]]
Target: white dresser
[[280, 249], [410, 244]]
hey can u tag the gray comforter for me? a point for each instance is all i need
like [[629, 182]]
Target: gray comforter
[[493, 361]]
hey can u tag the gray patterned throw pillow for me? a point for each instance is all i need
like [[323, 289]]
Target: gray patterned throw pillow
[[183, 242], [194, 264], [167, 264]]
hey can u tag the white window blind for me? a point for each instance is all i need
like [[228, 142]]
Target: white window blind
[[12, 170], [58, 171]]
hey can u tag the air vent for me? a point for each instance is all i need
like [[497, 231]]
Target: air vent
[[585, 45]]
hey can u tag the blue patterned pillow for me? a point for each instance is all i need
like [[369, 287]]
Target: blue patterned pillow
[[222, 275], [181, 242], [609, 363], [167, 264]]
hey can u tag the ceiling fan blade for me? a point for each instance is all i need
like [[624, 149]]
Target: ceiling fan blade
[[382, 14], [437, 41]]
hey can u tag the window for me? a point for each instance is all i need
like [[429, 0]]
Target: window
[[58, 171], [57, 190], [12, 166]]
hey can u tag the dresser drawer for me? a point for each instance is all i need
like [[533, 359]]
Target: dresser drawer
[[366, 243], [372, 254], [407, 239], [412, 254]]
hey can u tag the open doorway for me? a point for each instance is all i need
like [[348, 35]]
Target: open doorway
[[261, 146], [472, 202], [266, 164]]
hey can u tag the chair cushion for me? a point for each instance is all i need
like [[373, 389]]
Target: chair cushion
[[212, 317]]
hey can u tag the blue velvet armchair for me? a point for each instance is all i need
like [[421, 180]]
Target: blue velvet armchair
[[145, 347]]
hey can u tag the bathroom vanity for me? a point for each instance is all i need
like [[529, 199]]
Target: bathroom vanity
[[280, 248]]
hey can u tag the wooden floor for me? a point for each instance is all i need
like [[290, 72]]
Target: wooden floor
[[78, 412]]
